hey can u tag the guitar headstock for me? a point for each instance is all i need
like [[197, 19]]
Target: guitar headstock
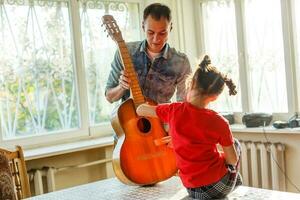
[[112, 28]]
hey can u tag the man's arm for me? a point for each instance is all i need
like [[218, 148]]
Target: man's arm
[[181, 82], [146, 110], [114, 94], [118, 81]]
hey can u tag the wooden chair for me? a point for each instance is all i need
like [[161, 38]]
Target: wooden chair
[[19, 172], [7, 188]]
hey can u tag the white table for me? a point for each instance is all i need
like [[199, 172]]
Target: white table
[[172, 189]]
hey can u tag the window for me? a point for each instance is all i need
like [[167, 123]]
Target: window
[[221, 46], [248, 42], [42, 79], [97, 46], [38, 91], [266, 66]]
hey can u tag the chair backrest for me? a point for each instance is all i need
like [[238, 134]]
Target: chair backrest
[[19, 172], [7, 188]]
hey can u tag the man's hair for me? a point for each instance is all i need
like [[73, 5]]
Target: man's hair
[[157, 11]]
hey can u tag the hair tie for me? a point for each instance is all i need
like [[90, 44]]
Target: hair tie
[[204, 63]]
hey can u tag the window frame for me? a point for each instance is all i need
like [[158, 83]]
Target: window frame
[[85, 130]]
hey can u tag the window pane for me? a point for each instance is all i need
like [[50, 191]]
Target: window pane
[[265, 56], [37, 87], [221, 46], [99, 50]]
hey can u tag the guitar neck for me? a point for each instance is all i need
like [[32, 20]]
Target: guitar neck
[[136, 91]]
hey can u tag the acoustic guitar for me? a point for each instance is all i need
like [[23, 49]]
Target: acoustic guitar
[[138, 159]]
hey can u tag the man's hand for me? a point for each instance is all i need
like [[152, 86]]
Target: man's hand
[[124, 81], [114, 94]]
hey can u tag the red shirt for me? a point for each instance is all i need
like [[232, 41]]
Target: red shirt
[[195, 134]]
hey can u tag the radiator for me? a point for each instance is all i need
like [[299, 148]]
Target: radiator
[[263, 165]]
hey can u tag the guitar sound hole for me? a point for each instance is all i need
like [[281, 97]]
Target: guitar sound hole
[[144, 125]]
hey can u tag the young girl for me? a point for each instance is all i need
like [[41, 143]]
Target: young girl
[[195, 132]]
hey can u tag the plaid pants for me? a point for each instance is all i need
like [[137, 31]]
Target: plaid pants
[[224, 186]]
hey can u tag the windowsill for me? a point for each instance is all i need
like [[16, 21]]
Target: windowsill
[[267, 129], [53, 150], [59, 149]]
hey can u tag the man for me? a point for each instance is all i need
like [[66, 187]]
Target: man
[[161, 70]]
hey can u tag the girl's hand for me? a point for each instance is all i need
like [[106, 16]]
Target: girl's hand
[[165, 140], [170, 144]]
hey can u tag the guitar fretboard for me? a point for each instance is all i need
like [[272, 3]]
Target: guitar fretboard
[[136, 91]]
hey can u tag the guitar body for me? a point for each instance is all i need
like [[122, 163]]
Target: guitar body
[[136, 159]]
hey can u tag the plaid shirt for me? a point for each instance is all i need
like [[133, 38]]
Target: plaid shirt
[[158, 79]]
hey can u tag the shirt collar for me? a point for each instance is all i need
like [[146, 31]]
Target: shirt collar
[[164, 51]]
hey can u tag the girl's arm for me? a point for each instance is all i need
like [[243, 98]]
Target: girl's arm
[[146, 110], [230, 155], [150, 111]]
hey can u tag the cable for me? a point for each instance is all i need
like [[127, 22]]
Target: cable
[[273, 158]]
